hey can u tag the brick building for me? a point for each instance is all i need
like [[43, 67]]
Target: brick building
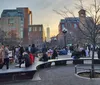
[[16, 21], [36, 35], [71, 24]]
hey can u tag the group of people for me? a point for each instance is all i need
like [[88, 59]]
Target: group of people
[[25, 54], [83, 51], [80, 51], [49, 54], [20, 55]]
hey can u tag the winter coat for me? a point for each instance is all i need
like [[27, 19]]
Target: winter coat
[[99, 53], [32, 58], [54, 55], [27, 59], [44, 57]]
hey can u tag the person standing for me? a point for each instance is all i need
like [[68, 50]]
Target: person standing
[[1, 56], [33, 50], [21, 50], [16, 54], [98, 53], [6, 56], [29, 48]]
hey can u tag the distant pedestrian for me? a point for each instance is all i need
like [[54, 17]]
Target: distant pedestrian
[[21, 50], [6, 56], [54, 55], [44, 57], [98, 53], [32, 58], [33, 50], [49, 53], [17, 54], [71, 48], [1, 56], [29, 48]]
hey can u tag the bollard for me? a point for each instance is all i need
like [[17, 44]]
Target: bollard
[[75, 69]]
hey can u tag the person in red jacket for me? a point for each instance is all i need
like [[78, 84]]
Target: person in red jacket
[[32, 58]]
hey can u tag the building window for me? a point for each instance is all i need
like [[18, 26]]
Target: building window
[[21, 34], [40, 29], [75, 26], [35, 29], [63, 26], [21, 29], [30, 29], [11, 21], [22, 25]]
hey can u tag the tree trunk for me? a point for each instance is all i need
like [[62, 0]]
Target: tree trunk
[[92, 66]]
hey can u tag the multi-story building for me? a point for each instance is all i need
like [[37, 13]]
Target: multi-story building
[[48, 34], [87, 25], [36, 35], [71, 24], [16, 22], [75, 27], [54, 42]]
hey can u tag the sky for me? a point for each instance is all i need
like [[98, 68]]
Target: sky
[[42, 10]]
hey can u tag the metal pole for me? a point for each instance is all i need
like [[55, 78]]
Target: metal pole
[[65, 40]]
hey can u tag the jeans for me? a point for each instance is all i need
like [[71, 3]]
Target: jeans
[[6, 62]]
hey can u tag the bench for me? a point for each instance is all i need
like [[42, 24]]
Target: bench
[[17, 73], [28, 73], [63, 61]]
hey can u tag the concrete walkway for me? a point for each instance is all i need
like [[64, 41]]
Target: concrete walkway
[[56, 75], [60, 75]]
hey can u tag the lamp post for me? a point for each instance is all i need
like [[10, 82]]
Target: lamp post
[[64, 30]]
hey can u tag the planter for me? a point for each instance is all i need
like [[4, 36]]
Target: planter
[[88, 74]]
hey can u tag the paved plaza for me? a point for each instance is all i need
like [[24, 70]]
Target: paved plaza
[[56, 75], [60, 75]]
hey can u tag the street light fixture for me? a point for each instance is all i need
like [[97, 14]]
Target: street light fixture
[[64, 30]]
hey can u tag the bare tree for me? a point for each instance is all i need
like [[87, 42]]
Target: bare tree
[[2, 36], [89, 26]]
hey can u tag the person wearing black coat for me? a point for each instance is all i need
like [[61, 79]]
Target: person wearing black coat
[[44, 57], [27, 59], [34, 50], [54, 55], [98, 53]]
